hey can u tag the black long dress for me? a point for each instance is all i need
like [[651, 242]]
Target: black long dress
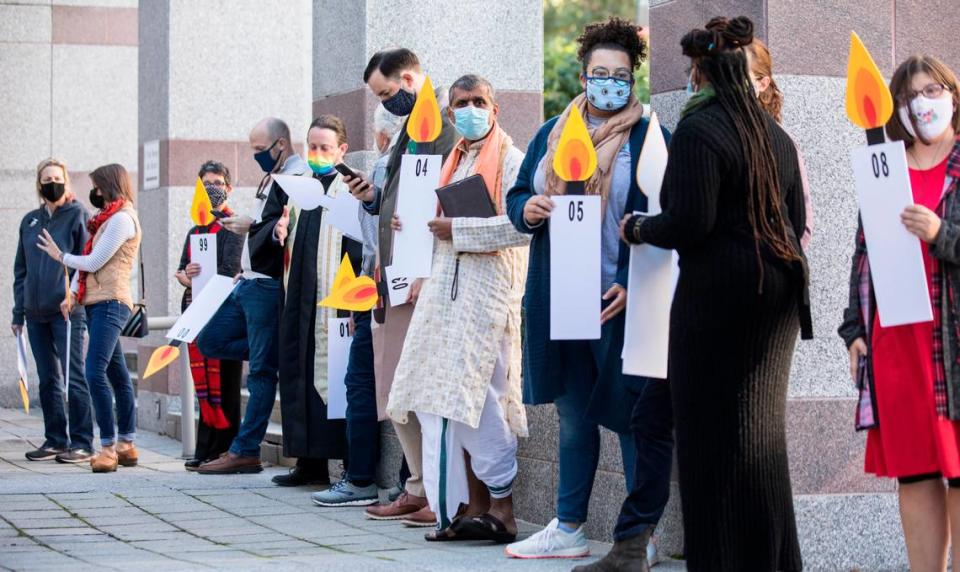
[[731, 347], [307, 433]]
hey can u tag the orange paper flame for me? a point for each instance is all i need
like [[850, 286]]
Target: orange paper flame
[[576, 158], [200, 210], [869, 104], [350, 292], [161, 358], [424, 124]]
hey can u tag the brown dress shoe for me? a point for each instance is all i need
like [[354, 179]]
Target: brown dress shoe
[[127, 456], [105, 461], [405, 505], [231, 464], [422, 518]]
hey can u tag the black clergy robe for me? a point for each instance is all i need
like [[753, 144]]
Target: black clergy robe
[[307, 433]]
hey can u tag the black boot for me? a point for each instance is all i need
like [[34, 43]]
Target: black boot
[[307, 472], [626, 556]]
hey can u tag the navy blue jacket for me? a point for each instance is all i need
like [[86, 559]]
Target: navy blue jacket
[[38, 285], [544, 374]]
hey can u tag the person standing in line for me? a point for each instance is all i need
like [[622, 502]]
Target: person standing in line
[[312, 250], [102, 286], [217, 381], [732, 201], [395, 76], [38, 289], [245, 328], [584, 378], [461, 378], [358, 485], [908, 376]]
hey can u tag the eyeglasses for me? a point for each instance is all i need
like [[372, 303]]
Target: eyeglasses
[[931, 91], [621, 77], [215, 184]]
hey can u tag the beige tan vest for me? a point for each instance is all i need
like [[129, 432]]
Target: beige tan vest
[[112, 282]]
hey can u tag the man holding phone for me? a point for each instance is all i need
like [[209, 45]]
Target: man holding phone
[[395, 76]]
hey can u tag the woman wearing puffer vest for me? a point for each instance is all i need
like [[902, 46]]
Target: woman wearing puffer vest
[[102, 286]]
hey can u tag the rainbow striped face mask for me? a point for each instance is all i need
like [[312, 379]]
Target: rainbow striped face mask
[[321, 165]]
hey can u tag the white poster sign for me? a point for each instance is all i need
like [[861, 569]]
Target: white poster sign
[[575, 268], [339, 339], [896, 259], [203, 251], [653, 274], [201, 309], [305, 192], [399, 286], [344, 214], [416, 206]]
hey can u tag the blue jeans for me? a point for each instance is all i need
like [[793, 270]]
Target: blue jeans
[[580, 452], [652, 424], [246, 328], [106, 369], [48, 341], [363, 430]]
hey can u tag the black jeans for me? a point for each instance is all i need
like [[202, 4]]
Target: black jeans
[[363, 430], [652, 424], [48, 341]]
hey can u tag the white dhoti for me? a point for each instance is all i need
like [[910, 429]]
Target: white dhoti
[[492, 447]]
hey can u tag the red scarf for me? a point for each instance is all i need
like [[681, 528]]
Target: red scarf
[[93, 225], [206, 371]]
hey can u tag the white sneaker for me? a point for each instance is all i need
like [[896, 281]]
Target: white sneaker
[[551, 542]]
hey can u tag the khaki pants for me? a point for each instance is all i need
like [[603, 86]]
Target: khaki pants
[[387, 347]]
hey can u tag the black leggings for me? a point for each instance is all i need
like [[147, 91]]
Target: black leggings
[[952, 483]]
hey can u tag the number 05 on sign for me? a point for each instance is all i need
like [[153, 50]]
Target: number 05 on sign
[[575, 268]]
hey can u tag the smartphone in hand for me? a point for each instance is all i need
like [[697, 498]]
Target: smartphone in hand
[[218, 214], [345, 171]]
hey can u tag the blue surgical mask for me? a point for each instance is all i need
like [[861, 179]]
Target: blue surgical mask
[[266, 161], [473, 123], [608, 94], [401, 103]]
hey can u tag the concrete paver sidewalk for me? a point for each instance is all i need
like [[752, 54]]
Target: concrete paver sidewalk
[[157, 516]]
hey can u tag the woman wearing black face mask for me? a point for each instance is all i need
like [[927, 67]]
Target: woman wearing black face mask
[[38, 289], [102, 286]]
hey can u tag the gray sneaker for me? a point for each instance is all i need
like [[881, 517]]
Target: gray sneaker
[[345, 493]]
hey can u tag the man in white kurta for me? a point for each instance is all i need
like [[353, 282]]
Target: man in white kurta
[[460, 368]]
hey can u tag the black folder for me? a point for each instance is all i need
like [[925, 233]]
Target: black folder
[[466, 198]]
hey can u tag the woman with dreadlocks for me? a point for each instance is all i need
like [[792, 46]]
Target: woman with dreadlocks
[[732, 199]]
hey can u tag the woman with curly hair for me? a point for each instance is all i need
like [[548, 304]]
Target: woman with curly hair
[[584, 378], [732, 203]]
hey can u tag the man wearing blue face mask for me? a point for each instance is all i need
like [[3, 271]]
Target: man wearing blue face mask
[[395, 76], [460, 367], [246, 326]]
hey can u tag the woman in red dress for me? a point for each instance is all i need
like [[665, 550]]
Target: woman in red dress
[[909, 376]]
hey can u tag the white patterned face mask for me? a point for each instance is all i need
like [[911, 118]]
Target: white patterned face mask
[[933, 116]]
